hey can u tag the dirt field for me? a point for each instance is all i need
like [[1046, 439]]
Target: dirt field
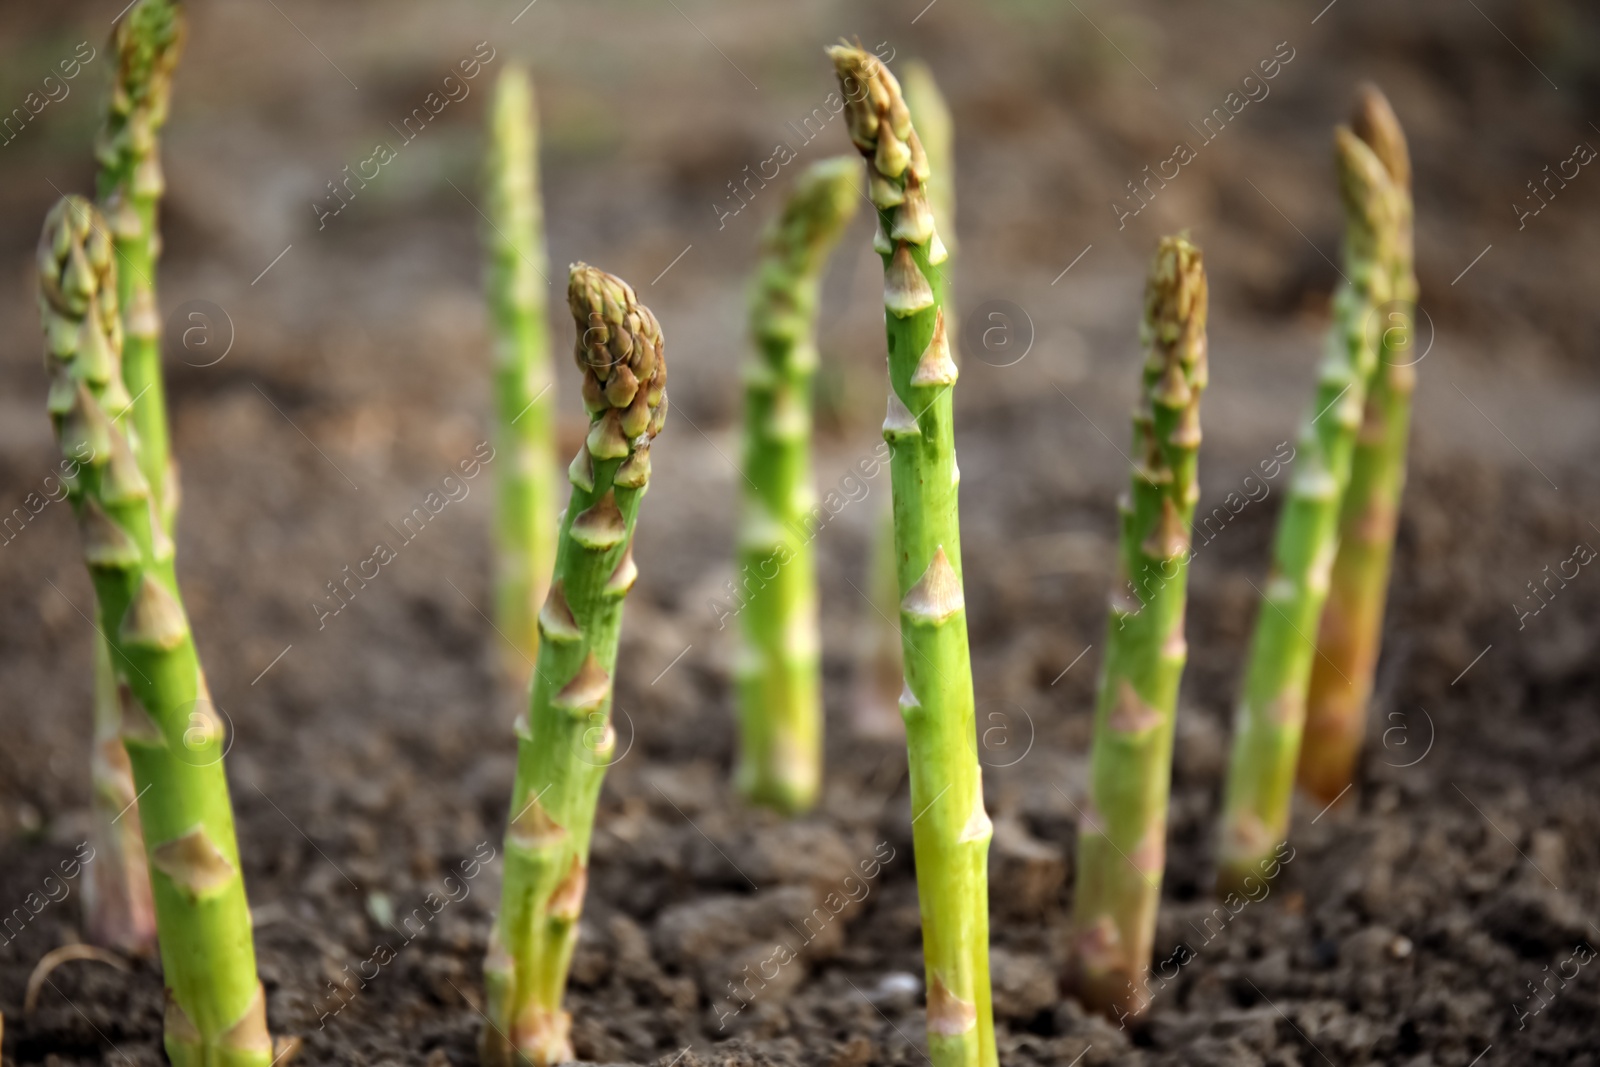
[[372, 755]]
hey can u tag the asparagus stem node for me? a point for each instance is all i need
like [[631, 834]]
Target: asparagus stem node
[[779, 672], [216, 1009], [1271, 713], [951, 830], [525, 499], [565, 741], [1351, 631], [1122, 840]]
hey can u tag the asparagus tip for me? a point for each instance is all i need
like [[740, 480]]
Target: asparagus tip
[[620, 354], [1374, 121]]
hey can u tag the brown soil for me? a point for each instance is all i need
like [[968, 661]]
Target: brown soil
[[374, 758]]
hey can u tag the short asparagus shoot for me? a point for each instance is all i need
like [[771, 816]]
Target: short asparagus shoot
[[216, 1008], [1352, 620], [1122, 837], [879, 676], [148, 40], [950, 829], [525, 494], [1270, 717], [779, 672], [565, 741]]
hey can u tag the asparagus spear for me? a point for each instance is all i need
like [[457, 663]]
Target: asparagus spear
[[216, 1008], [1122, 841], [525, 504], [1271, 712], [118, 909], [780, 683], [951, 831], [566, 740], [879, 673], [1352, 621], [148, 41], [117, 904]]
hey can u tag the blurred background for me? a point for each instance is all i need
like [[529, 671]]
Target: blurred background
[[328, 363]]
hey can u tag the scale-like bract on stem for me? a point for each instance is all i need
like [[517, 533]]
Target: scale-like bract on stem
[[147, 43], [950, 829], [566, 741], [216, 1008], [1271, 713], [879, 676], [525, 494], [1122, 838], [1352, 620], [779, 673]]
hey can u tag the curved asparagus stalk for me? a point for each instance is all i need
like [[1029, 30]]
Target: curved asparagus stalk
[[1352, 620], [216, 1009], [1271, 712], [879, 676], [780, 683], [950, 831], [117, 903], [1122, 841], [566, 740], [525, 501]]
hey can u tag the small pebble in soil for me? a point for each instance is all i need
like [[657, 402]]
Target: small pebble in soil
[[895, 987]]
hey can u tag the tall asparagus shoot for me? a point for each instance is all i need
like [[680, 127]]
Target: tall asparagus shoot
[[950, 831], [525, 504], [117, 904], [879, 676], [216, 1008], [1271, 713], [1122, 840], [1352, 620], [566, 741], [779, 675]]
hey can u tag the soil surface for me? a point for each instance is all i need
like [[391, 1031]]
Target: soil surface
[[1442, 914]]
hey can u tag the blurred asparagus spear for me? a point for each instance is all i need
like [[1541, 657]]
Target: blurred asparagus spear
[[951, 831], [147, 41], [1352, 620], [878, 671], [216, 1008], [525, 500], [1122, 841], [780, 683], [1271, 712], [566, 741]]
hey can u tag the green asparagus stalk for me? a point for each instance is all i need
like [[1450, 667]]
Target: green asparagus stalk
[[1122, 840], [118, 910], [566, 741], [779, 675], [525, 502], [1352, 620], [950, 831], [216, 1008], [879, 674], [1271, 713], [148, 41]]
